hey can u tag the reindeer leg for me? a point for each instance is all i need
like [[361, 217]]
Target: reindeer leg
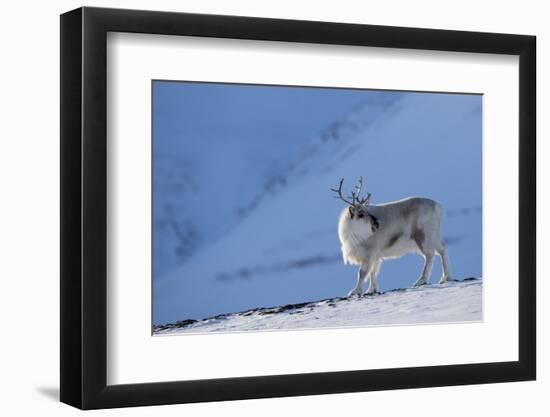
[[444, 255], [361, 276], [373, 276], [426, 271]]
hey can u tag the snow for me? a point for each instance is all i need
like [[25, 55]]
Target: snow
[[457, 301], [238, 145], [257, 230]]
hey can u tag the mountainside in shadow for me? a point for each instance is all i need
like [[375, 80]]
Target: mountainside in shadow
[[278, 244]]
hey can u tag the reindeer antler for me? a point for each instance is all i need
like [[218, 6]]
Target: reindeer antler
[[355, 195], [339, 191], [359, 187]]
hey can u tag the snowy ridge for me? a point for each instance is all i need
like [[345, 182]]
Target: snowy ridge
[[285, 249], [433, 303]]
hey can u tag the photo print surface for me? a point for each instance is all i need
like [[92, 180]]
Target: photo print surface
[[289, 207]]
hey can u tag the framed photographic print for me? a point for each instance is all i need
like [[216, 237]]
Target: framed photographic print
[[259, 207]]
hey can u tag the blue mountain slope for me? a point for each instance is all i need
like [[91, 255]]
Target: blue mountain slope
[[283, 248]]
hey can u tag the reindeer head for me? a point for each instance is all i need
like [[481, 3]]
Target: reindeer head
[[357, 209]]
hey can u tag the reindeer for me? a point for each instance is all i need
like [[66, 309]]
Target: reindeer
[[371, 233]]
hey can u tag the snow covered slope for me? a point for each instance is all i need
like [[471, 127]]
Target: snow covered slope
[[451, 302], [238, 144], [284, 249]]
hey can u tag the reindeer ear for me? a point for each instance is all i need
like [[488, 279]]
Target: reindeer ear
[[350, 211]]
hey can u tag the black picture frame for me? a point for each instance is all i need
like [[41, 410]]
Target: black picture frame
[[84, 207]]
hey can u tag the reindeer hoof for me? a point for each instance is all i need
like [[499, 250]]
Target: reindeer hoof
[[355, 293], [419, 284]]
